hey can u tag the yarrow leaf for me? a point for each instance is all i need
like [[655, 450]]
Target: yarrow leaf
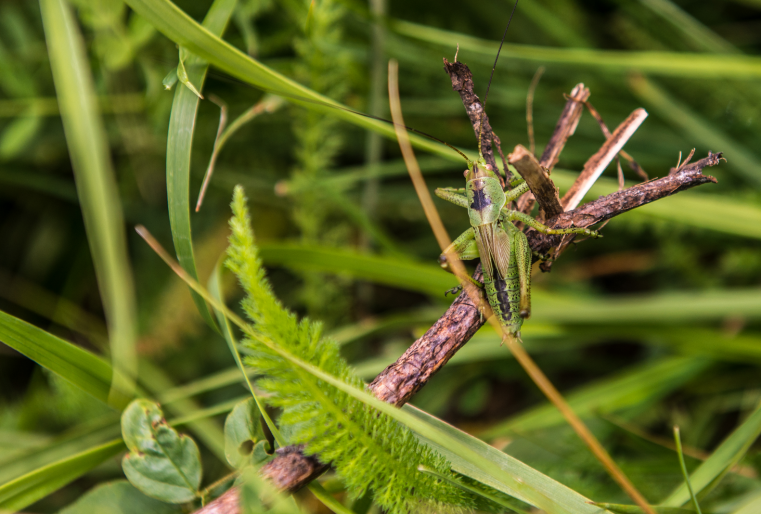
[[368, 449]]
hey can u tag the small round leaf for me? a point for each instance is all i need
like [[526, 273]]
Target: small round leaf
[[242, 433], [161, 463]]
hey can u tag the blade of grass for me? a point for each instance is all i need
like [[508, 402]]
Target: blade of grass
[[216, 291], [96, 187], [752, 506], [476, 492], [79, 367], [75, 440], [668, 308], [186, 32], [178, 152], [33, 486], [740, 159], [531, 477], [406, 274], [713, 469], [678, 64]]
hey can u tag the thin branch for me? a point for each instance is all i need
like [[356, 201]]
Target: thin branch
[[607, 207], [606, 132], [596, 164], [462, 82], [566, 126]]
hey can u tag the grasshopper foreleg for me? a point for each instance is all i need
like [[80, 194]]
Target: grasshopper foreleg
[[466, 249], [454, 195]]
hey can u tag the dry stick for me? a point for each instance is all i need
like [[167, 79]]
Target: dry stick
[[593, 168], [399, 382], [606, 207], [606, 132], [538, 180], [596, 164], [462, 82], [564, 129]]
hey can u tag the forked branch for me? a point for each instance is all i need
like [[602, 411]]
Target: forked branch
[[291, 469]]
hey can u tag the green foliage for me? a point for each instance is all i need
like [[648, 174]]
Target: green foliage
[[369, 450], [657, 324], [118, 497], [161, 463]]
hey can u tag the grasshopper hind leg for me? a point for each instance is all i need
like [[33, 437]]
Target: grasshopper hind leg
[[523, 262]]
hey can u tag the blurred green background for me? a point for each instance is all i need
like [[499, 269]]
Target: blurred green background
[[654, 325]]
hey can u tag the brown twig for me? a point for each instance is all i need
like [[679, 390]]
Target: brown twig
[[564, 129], [606, 207], [462, 82], [596, 164], [606, 132]]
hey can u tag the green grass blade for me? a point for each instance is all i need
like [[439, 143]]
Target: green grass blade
[[555, 308], [208, 383], [570, 500], [729, 452], [76, 440], [186, 32], [96, 187], [425, 278], [741, 160], [643, 383], [178, 151], [752, 506], [675, 64], [692, 29], [666, 308], [81, 368], [33, 486]]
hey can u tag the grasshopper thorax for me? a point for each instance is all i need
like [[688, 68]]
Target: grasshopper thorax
[[485, 195]]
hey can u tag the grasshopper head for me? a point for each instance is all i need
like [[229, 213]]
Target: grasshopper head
[[479, 169]]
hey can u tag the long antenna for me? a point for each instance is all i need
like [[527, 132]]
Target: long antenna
[[486, 96]]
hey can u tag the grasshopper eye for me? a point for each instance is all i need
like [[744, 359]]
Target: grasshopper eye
[[465, 173]]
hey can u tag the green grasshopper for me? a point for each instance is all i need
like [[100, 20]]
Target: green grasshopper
[[503, 249]]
